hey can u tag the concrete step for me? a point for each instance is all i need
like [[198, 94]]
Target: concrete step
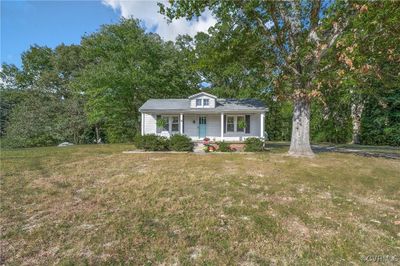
[[198, 147]]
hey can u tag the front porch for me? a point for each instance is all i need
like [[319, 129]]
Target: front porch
[[230, 127]]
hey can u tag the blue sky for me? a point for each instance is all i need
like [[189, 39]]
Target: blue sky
[[48, 23], [24, 23]]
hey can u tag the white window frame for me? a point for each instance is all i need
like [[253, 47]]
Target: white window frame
[[166, 118], [170, 120], [172, 123], [199, 102], [204, 102], [234, 124]]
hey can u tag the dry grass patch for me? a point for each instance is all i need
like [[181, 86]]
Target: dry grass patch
[[96, 205]]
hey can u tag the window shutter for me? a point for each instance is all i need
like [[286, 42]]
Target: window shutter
[[248, 124], [224, 123], [183, 124], [158, 129]]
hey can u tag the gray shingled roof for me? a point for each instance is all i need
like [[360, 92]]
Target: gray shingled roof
[[222, 105]]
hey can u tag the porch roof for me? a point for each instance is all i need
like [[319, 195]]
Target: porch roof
[[222, 105]]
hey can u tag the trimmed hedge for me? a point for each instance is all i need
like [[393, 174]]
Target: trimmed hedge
[[224, 147], [152, 142], [179, 142], [253, 144]]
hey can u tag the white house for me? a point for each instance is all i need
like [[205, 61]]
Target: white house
[[204, 115]]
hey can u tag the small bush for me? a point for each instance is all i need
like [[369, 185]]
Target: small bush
[[180, 143], [151, 142], [253, 144], [224, 147]]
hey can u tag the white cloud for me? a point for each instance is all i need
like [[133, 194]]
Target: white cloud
[[148, 12]]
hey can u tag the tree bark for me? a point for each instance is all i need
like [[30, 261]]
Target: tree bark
[[97, 134], [356, 113], [300, 141]]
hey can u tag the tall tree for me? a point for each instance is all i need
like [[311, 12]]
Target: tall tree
[[231, 67], [11, 93], [39, 107], [127, 66], [296, 37], [380, 124], [369, 57]]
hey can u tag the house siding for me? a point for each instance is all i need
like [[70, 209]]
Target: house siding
[[150, 126], [210, 105], [255, 130], [213, 127]]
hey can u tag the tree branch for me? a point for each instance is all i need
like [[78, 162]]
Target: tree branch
[[278, 41], [314, 16]]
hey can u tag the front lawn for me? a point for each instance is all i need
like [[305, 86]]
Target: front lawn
[[94, 204]]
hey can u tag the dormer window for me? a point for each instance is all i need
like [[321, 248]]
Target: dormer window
[[202, 100], [198, 102]]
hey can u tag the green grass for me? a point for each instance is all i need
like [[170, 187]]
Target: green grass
[[95, 205]]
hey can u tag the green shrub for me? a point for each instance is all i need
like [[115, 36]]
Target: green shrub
[[180, 143], [151, 142], [253, 144], [223, 146]]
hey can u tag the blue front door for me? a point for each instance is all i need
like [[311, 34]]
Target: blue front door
[[202, 127]]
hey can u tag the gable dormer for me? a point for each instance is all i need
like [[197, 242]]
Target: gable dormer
[[202, 100]]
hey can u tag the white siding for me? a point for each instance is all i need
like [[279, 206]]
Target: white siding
[[150, 126], [210, 99], [191, 129], [213, 127], [255, 121]]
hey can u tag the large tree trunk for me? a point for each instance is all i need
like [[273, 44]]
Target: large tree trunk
[[300, 142], [356, 113]]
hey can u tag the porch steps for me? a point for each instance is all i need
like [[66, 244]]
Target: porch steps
[[198, 147]]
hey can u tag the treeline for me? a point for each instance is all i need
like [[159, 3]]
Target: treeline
[[91, 92]]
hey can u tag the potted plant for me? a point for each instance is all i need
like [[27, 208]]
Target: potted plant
[[242, 124], [161, 123]]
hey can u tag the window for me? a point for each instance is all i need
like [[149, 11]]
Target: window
[[175, 124], [198, 102], [237, 123], [230, 124], [166, 123], [241, 124], [206, 102]]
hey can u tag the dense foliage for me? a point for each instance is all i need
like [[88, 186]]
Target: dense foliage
[[179, 142], [223, 146], [319, 54], [91, 93], [380, 124], [253, 144], [151, 142], [126, 67]]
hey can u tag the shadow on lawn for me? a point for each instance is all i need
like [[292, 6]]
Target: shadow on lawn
[[362, 150]]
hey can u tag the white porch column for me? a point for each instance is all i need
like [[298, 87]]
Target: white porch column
[[142, 124], [222, 126], [181, 123], [262, 115]]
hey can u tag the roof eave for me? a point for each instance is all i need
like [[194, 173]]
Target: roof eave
[[194, 111]]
